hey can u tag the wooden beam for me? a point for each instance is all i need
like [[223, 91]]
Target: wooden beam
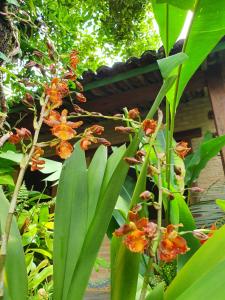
[[216, 88], [136, 97]]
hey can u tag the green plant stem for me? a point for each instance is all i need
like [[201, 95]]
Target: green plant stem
[[159, 224], [23, 166]]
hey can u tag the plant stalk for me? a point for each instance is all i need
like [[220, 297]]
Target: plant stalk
[[23, 166], [159, 224]]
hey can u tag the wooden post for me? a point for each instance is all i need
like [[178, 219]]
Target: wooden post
[[216, 88]]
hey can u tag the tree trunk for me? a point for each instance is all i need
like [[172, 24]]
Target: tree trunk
[[8, 42]]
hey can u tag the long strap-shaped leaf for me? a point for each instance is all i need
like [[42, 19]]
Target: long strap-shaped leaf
[[71, 217], [99, 226], [16, 283]]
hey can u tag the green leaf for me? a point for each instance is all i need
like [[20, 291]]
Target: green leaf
[[169, 64], [106, 203], [167, 85], [41, 277], [14, 2], [70, 221], [202, 262], [157, 293], [126, 264], [211, 283], [206, 30], [124, 271], [207, 150], [51, 166], [16, 274], [221, 203], [170, 20], [41, 251], [4, 57], [6, 179], [96, 173], [184, 4], [186, 218]]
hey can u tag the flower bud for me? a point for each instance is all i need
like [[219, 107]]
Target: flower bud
[[122, 129], [196, 189], [198, 234], [103, 142], [133, 113], [131, 161], [146, 195], [80, 97]]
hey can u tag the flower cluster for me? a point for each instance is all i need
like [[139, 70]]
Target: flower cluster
[[138, 233], [88, 137], [64, 130]]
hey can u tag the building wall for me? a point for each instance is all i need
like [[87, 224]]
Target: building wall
[[194, 114]]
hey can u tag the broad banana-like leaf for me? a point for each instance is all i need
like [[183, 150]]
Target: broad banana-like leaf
[[204, 262], [206, 29], [184, 4], [170, 20], [16, 282]]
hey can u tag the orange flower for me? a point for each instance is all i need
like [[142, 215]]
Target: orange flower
[[36, 162], [63, 131], [61, 128], [149, 126], [182, 149], [138, 232], [74, 60], [171, 244], [53, 118], [64, 149], [57, 90], [133, 113], [136, 241], [85, 143], [14, 139]]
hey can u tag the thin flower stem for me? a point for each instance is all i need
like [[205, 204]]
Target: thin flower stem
[[23, 166], [114, 118], [159, 223]]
